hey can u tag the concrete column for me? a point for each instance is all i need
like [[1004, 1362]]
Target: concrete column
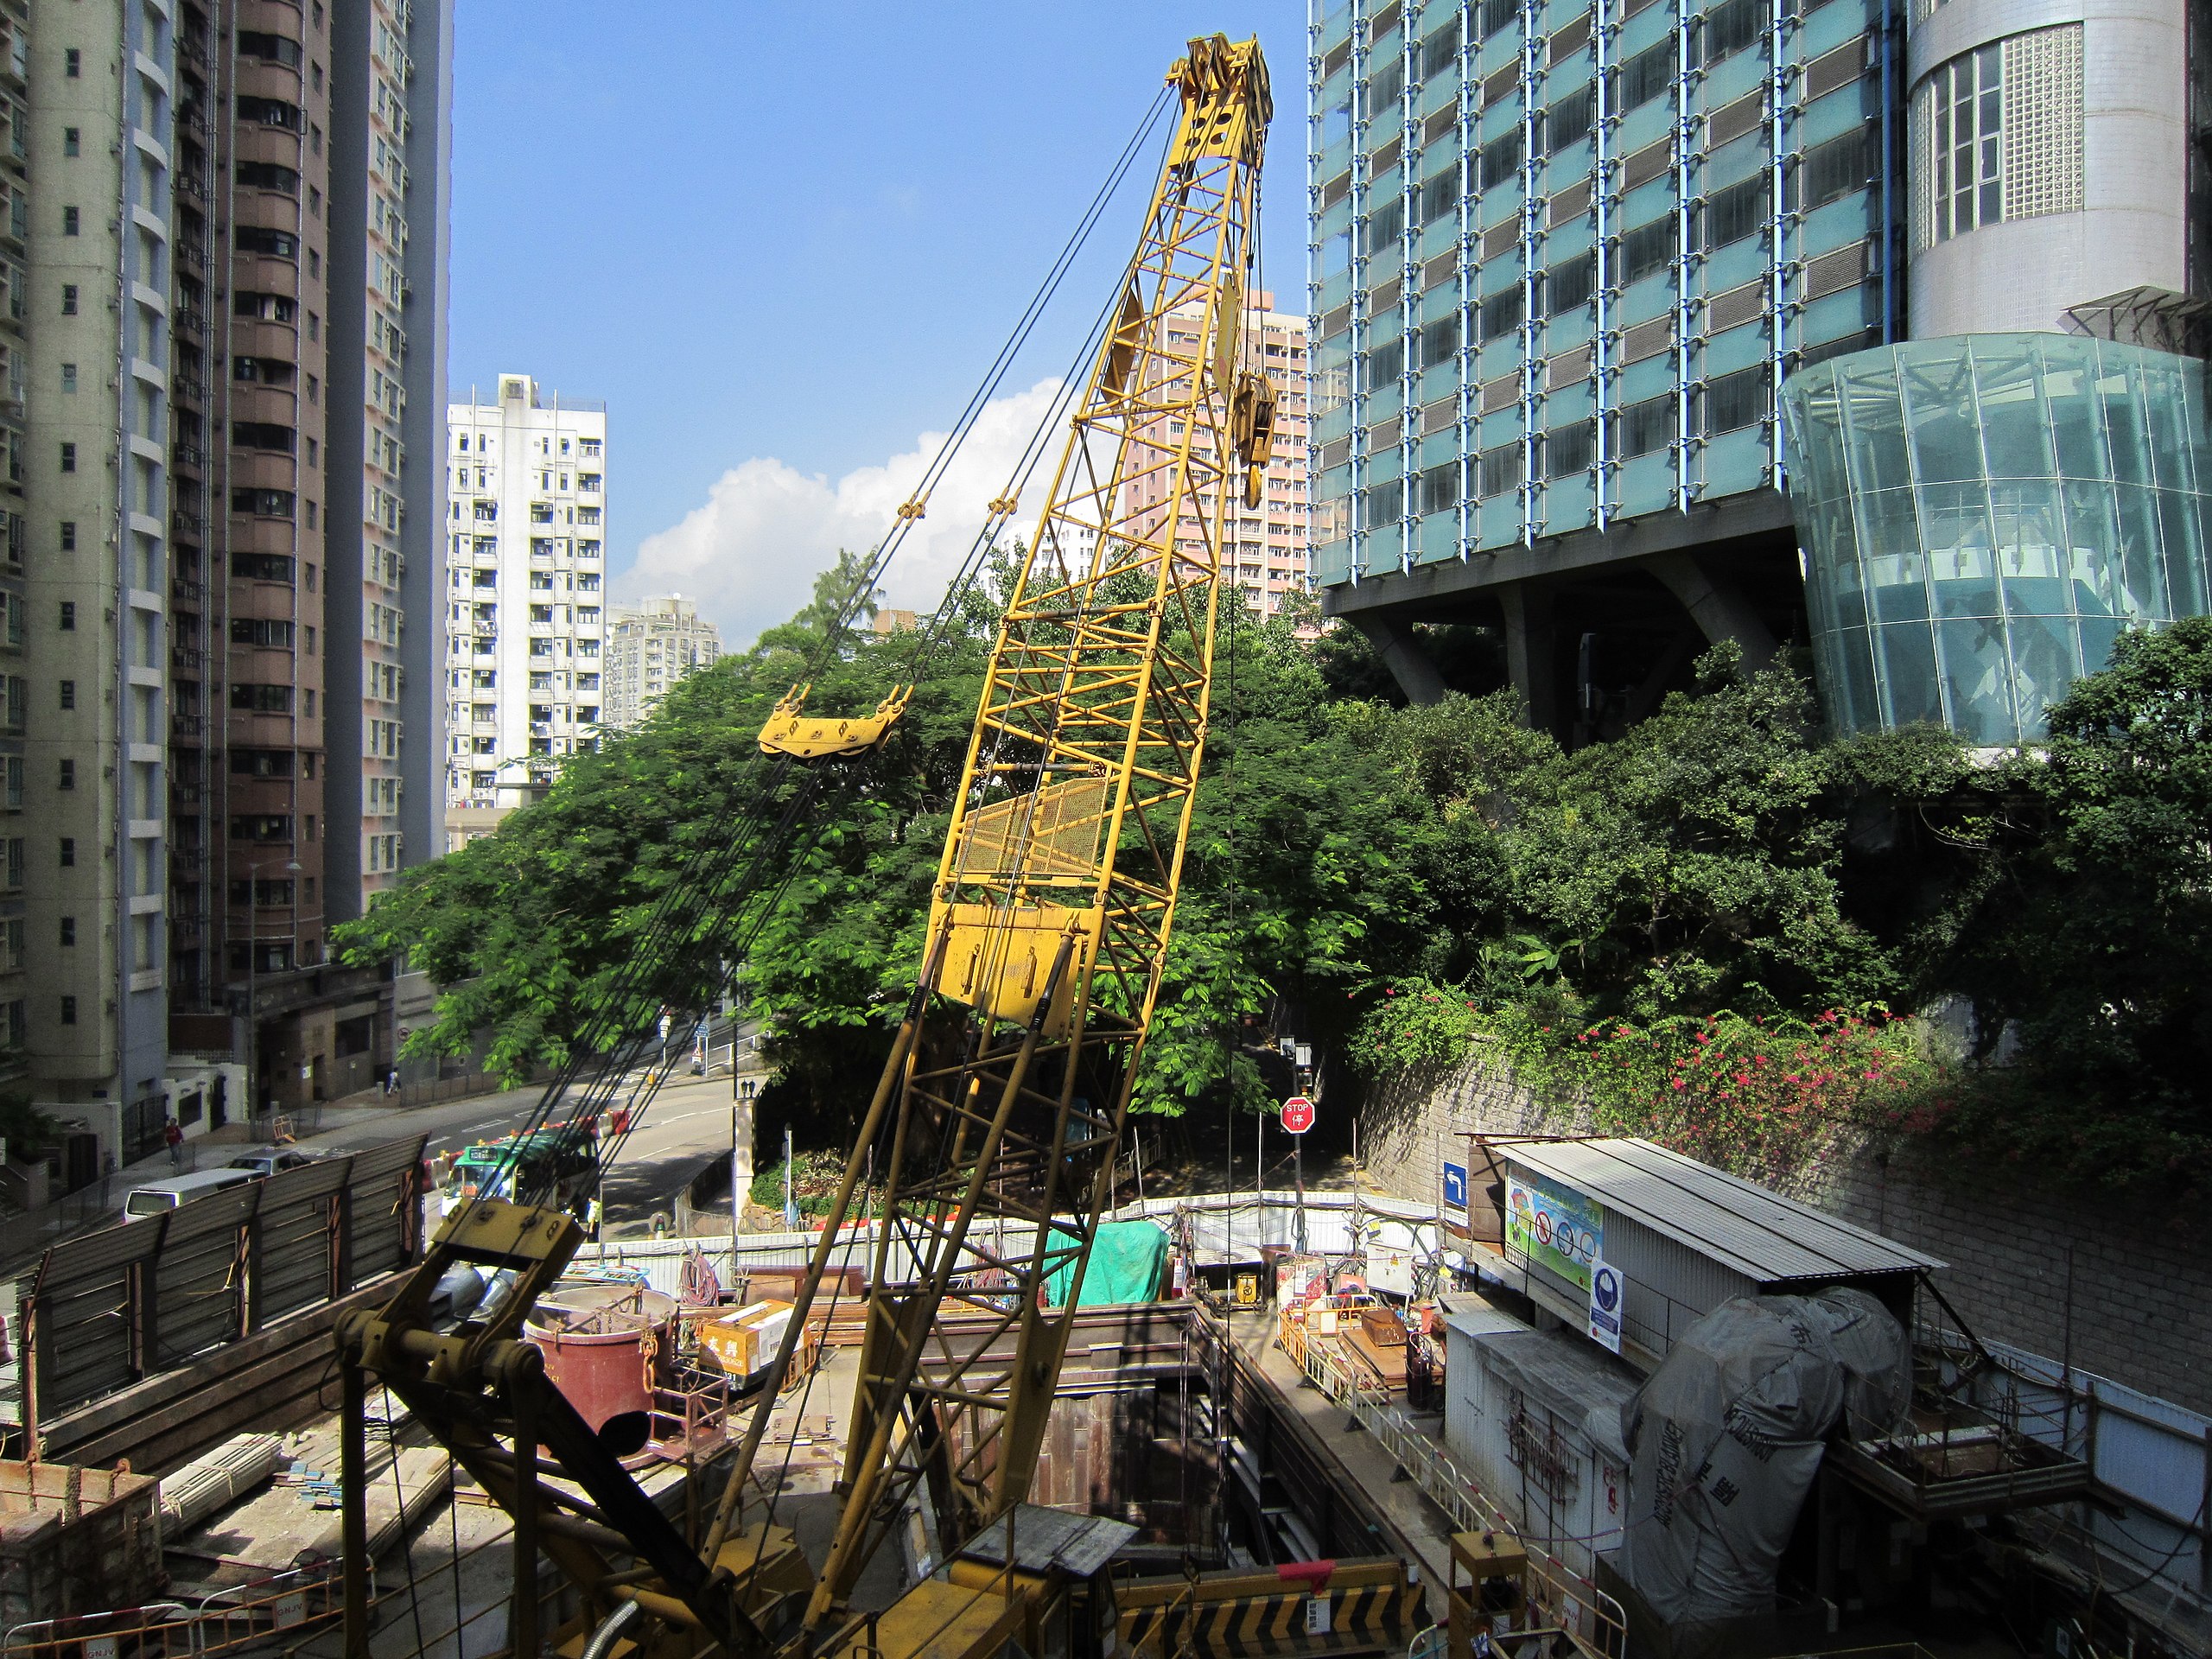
[[1717, 605], [1531, 657], [1402, 654]]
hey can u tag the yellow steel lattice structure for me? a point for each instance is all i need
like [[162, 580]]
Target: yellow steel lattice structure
[[1004, 1097]]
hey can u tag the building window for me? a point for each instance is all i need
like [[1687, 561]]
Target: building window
[[1386, 225], [1735, 212], [68, 299], [1569, 449], [68, 457], [1646, 427], [72, 63], [68, 536], [69, 932], [1439, 487], [1439, 341], [68, 221], [69, 378], [1967, 106], [1569, 119], [1498, 470], [69, 1003], [1500, 313], [1646, 76], [1832, 170], [68, 852], [68, 694], [1440, 195], [1385, 503], [1646, 248], [1496, 14], [1570, 283], [1440, 50], [68, 779], [1731, 26], [1741, 399], [68, 622], [1501, 159], [69, 145]]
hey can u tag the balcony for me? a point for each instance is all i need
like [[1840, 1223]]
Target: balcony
[[184, 795], [191, 184], [188, 524], [191, 321], [187, 454], [188, 659], [190, 388], [186, 591], [188, 725], [192, 255]]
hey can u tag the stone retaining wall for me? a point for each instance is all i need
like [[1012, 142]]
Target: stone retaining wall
[[2122, 1292]]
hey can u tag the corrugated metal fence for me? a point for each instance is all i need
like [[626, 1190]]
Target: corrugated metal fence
[[115, 1307]]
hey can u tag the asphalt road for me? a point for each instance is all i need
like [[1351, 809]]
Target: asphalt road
[[687, 1127]]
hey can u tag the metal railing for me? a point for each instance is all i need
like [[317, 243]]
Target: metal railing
[[1577, 1605]]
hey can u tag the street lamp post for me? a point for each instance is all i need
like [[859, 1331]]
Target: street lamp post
[[253, 971]]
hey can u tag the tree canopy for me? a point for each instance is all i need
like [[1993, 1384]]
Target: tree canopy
[[1721, 874]]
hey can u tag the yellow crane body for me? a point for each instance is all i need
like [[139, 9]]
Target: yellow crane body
[[1003, 1097]]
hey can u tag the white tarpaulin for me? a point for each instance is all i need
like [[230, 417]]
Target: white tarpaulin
[[1726, 1436]]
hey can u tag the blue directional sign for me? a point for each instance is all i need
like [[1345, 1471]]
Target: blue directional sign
[[1455, 1186]]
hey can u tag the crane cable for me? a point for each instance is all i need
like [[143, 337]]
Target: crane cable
[[701, 882]]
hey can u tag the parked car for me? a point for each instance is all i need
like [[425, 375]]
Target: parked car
[[157, 1197], [269, 1160]]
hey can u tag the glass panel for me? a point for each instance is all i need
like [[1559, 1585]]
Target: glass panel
[[2171, 452], [2142, 591], [2123, 412], [1908, 674], [2093, 535], [2097, 635], [1846, 681], [1874, 423], [2044, 663], [1961, 564], [1889, 540], [2182, 553], [2069, 376], [2015, 434], [2030, 551], [1939, 408], [1976, 681], [1817, 433]]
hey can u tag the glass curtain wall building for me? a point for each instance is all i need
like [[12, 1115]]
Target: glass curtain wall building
[[1987, 513], [1562, 258]]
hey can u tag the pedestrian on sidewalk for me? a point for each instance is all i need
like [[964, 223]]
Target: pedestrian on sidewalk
[[173, 1134], [391, 1082]]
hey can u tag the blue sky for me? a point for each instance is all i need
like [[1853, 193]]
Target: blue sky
[[783, 243]]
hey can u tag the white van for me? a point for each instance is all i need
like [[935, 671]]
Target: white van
[[155, 1198]]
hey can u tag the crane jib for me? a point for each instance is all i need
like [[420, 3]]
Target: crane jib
[[1004, 1095]]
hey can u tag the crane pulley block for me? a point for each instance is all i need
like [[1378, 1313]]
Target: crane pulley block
[[790, 731], [1252, 429]]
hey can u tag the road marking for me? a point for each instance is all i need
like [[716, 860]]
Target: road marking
[[489, 1123]]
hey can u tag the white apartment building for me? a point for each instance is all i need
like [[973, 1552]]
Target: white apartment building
[[524, 628], [1270, 541], [649, 648]]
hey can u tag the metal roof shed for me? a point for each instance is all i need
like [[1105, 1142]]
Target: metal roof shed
[[1685, 1236]]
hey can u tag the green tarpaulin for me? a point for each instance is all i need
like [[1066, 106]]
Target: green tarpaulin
[[1127, 1264]]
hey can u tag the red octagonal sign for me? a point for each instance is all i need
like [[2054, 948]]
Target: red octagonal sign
[[1298, 1114]]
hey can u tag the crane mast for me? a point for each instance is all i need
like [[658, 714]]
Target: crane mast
[[1050, 918], [996, 1118]]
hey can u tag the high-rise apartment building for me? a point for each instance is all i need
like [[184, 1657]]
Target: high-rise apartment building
[[172, 506], [524, 603], [649, 648], [15, 842], [97, 123], [1565, 255], [1269, 540]]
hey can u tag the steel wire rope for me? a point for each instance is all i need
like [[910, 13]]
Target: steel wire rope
[[685, 886], [927, 639], [1074, 384]]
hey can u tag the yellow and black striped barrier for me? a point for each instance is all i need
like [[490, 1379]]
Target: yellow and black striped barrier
[[1313, 1607]]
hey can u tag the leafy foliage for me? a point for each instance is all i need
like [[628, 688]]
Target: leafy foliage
[[1700, 927]]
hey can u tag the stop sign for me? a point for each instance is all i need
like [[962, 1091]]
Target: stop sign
[[1298, 1114]]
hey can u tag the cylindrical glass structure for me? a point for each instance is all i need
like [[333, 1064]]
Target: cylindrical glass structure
[[1982, 515]]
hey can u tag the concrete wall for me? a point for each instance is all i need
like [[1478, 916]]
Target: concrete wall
[[2078, 1277]]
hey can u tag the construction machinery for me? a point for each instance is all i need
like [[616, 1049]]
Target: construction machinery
[[1004, 1094]]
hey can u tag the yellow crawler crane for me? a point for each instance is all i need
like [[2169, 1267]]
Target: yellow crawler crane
[[1008, 1079]]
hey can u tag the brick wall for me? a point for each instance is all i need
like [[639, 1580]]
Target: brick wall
[[2127, 1292]]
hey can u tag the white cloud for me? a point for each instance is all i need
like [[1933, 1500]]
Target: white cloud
[[750, 554]]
